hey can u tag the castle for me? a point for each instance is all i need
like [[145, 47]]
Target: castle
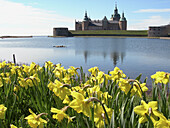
[[159, 31], [115, 23]]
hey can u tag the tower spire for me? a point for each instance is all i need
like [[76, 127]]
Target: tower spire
[[123, 15], [86, 17], [86, 13], [115, 5]]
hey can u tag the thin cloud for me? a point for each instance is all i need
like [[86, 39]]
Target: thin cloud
[[152, 10], [151, 21], [19, 19]]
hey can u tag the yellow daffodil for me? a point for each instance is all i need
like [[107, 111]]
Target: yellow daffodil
[[23, 83], [107, 78], [116, 74], [149, 109], [66, 100], [94, 91], [1, 83], [79, 89], [100, 77], [60, 114], [105, 96], [137, 89], [35, 120], [35, 79], [2, 111], [13, 126], [59, 90], [10, 64], [72, 70], [94, 71], [16, 88], [80, 104], [59, 71], [67, 79], [49, 65], [100, 116], [124, 85], [161, 77], [51, 85], [3, 64], [162, 123]]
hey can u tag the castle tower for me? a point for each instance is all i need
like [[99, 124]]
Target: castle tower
[[116, 15], [85, 22], [105, 23], [123, 22]]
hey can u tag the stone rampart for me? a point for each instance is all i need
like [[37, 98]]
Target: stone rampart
[[60, 32]]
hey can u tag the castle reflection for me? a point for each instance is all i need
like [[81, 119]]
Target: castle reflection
[[115, 56]]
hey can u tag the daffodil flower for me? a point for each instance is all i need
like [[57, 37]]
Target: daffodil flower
[[100, 77], [13, 126], [59, 71], [3, 64], [49, 65], [80, 104], [59, 90], [35, 120], [162, 123], [2, 111], [149, 109], [1, 83], [67, 79], [60, 114], [94, 91], [66, 100], [137, 89], [94, 71], [124, 85], [161, 77], [72, 70], [99, 115], [116, 74]]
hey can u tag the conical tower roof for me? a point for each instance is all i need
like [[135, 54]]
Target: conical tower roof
[[123, 17]]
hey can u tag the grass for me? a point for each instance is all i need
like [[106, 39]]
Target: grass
[[116, 32]]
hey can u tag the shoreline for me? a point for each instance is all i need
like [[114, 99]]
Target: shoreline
[[2, 37]]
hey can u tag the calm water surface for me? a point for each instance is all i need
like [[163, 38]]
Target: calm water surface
[[132, 55]]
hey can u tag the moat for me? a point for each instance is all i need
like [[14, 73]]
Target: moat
[[132, 55]]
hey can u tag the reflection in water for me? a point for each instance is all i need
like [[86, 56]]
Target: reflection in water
[[105, 48], [115, 56]]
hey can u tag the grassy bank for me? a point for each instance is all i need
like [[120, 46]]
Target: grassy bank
[[112, 32]]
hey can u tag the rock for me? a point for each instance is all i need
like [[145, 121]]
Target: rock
[[59, 46]]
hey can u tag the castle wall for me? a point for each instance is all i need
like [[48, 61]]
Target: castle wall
[[78, 26], [94, 28], [60, 32], [113, 26], [159, 31], [168, 28]]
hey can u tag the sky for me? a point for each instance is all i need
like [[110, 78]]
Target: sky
[[39, 17]]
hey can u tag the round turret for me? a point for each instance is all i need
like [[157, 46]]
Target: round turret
[[123, 23], [123, 18]]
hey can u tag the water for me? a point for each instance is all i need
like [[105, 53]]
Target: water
[[132, 55]]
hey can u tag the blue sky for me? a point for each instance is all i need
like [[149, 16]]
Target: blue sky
[[38, 17]]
